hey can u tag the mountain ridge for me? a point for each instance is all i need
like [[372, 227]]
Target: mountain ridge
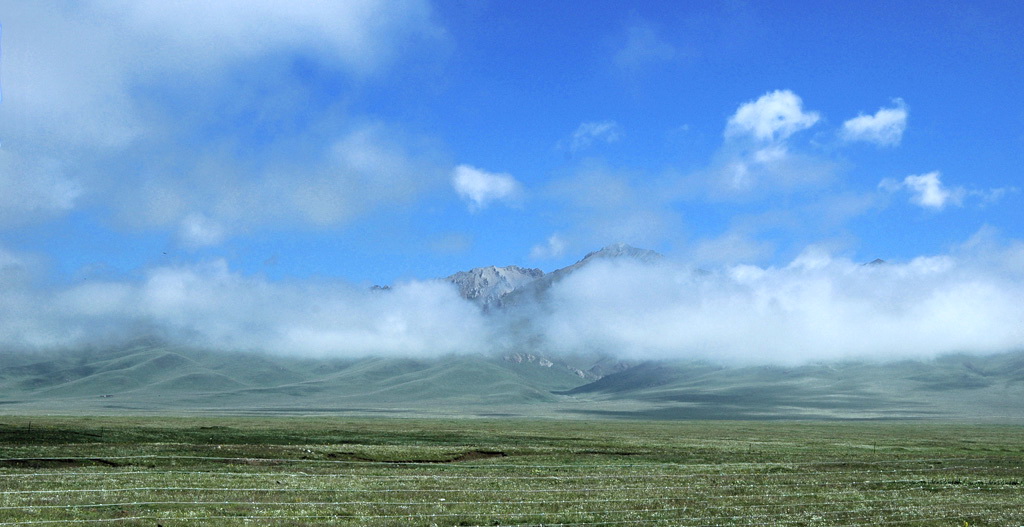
[[536, 290], [517, 378]]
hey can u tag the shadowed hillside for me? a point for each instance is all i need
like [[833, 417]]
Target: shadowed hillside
[[149, 377]]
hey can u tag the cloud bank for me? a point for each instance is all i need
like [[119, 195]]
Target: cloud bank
[[212, 307], [816, 308]]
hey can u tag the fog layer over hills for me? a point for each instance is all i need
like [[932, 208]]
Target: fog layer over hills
[[620, 300]]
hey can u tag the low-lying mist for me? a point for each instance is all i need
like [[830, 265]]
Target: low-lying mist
[[816, 308]]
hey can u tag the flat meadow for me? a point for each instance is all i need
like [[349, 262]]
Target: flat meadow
[[179, 471]]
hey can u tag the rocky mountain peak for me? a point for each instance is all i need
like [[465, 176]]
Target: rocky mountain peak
[[487, 285], [500, 287], [619, 250]]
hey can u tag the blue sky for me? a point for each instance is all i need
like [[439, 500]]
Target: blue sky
[[373, 142]]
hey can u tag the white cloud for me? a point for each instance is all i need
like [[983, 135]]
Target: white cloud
[[482, 188], [554, 247], [771, 154], [591, 132], [101, 92], [69, 70], [210, 306], [818, 308], [361, 34], [65, 78], [757, 155], [773, 116], [885, 128], [927, 190]]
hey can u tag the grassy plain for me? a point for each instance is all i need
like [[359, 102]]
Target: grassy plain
[[343, 471]]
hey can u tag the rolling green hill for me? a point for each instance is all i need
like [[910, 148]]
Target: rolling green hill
[[951, 386], [148, 377]]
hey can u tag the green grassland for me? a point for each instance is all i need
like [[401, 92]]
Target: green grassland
[[178, 471]]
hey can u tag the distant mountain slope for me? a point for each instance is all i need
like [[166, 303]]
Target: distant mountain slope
[[536, 290], [967, 386], [151, 378], [525, 379], [488, 285], [495, 287]]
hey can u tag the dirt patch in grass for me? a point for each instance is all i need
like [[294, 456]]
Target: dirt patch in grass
[[474, 455], [56, 462], [471, 455]]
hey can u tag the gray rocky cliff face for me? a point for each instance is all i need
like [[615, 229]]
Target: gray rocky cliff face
[[502, 287], [488, 285], [535, 290]]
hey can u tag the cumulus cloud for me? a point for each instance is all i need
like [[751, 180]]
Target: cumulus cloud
[[757, 155], [926, 190], [481, 188], [592, 132], [773, 116], [884, 128]]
